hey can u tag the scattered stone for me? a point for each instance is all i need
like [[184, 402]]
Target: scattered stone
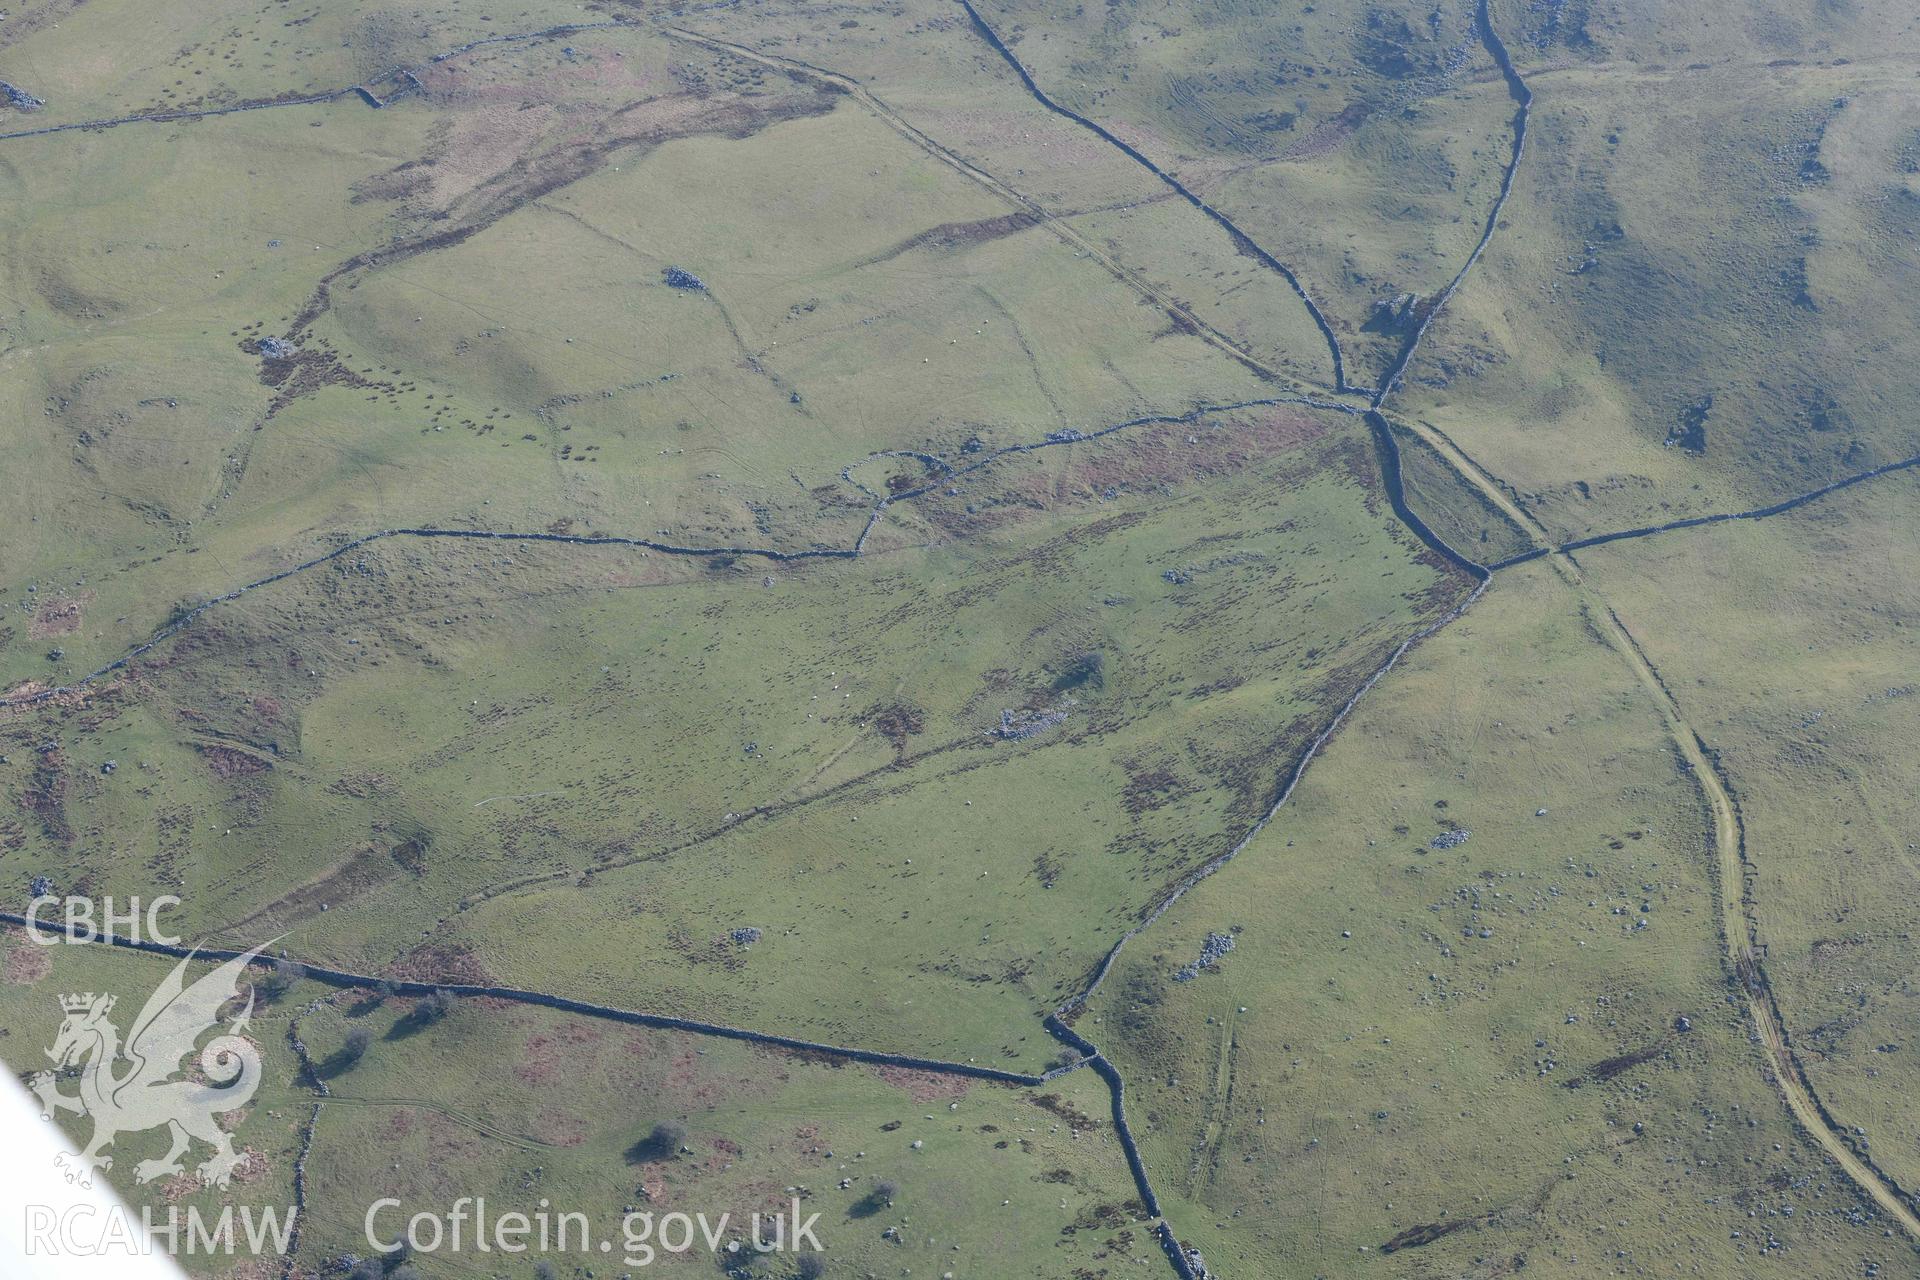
[[278, 349], [1397, 312], [1450, 839], [19, 99], [1212, 951], [1018, 725], [681, 279], [109, 766], [746, 936], [1690, 433]]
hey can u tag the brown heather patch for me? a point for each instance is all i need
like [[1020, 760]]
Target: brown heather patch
[[180, 1186], [559, 1128], [925, 1086], [551, 1055], [27, 962], [1054, 1105], [304, 372], [21, 25], [45, 795], [1147, 459], [452, 962], [227, 763], [1327, 138], [258, 1269], [950, 237]]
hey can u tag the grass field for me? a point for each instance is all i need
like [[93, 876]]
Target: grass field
[[1621, 362], [1800, 677], [534, 1109], [1085, 692], [868, 285], [1362, 148], [1443, 1032]]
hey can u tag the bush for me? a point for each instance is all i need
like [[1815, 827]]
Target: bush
[[285, 974], [1087, 670], [435, 1007]]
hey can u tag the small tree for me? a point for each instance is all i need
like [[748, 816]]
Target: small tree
[[385, 990], [544, 1270], [886, 1189], [285, 974], [435, 1007], [354, 1047], [667, 1137], [810, 1267]]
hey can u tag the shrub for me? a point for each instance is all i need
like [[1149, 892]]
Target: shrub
[[435, 1007]]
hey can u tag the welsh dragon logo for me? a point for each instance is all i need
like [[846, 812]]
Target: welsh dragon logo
[[131, 1087]]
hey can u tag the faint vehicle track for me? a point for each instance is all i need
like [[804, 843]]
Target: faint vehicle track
[[458, 1117]]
